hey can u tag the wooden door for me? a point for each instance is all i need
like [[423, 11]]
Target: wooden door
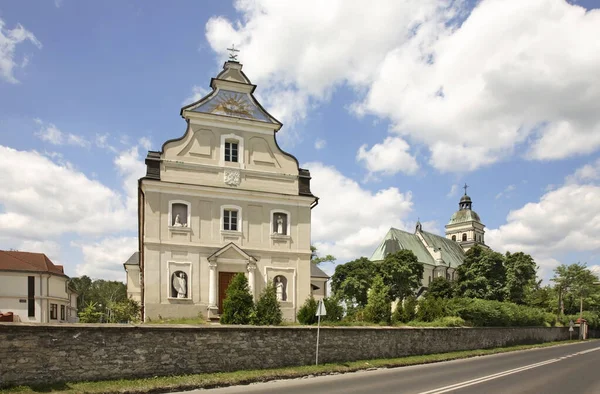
[[224, 281]]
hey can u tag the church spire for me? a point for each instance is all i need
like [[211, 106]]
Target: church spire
[[465, 201]]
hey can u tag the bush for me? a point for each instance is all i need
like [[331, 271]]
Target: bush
[[378, 305], [448, 321], [397, 314], [125, 311], [268, 311], [238, 307], [89, 314], [408, 309], [495, 313], [430, 309], [335, 311], [306, 313]]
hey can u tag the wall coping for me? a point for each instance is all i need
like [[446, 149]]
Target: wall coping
[[210, 327]]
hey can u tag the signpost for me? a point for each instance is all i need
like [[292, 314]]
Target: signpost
[[320, 312], [571, 324]]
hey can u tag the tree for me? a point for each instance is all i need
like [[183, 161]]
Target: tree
[[268, 311], [481, 275], [315, 259], [125, 311], [409, 309], [103, 293], [307, 312], [575, 283], [90, 314], [520, 276], [82, 286], [351, 281], [378, 306], [440, 287], [401, 272], [335, 311], [238, 306]]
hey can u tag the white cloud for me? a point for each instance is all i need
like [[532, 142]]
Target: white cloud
[[58, 3], [507, 192], [131, 168], [320, 144], [515, 72], [50, 133], [42, 199], [145, 143], [389, 157], [453, 191], [585, 174], [9, 39], [198, 92], [354, 222], [104, 259]]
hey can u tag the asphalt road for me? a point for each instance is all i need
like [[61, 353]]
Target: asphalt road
[[560, 369]]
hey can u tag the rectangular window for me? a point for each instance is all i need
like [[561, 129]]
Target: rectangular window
[[231, 151], [54, 311], [62, 312], [230, 218], [31, 296]]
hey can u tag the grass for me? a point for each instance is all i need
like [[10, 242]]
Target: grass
[[190, 382]]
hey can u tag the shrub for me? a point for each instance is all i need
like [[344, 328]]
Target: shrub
[[495, 313], [408, 309], [397, 314], [268, 311], [378, 305], [335, 311], [89, 314], [306, 313], [430, 309], [238, 306]]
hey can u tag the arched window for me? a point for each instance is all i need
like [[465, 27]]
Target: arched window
[[454, 237], [464, 236]]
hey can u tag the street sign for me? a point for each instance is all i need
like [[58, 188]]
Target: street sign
[[571, 329], [571, 324], [321, 309]]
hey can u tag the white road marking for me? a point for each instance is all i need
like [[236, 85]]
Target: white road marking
[[482, 379]]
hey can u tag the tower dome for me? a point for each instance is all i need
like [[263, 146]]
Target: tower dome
[[465, 225]]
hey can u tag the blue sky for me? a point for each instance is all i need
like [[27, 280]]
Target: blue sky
[[392, 108]]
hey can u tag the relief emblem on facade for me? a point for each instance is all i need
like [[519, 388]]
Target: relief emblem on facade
[[232, 177]]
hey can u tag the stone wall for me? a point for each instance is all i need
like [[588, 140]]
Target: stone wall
[[33, 353]]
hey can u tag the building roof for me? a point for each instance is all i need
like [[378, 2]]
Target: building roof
[[316, 272], [28, 262], [396, 240], [464, 215], [134, 259], [452, 253]]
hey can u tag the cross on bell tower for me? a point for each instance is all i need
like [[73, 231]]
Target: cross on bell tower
[[232, 53], [465, 187]]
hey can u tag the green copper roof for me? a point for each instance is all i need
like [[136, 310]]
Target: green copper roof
[[452, 252], [396, 240], [464, 215]]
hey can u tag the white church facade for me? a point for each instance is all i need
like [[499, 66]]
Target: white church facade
[[222, 199], [440, 256]]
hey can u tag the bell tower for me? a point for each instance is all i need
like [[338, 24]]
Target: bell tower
[[465, 226]]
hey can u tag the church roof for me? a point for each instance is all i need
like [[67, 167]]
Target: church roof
[[134, 259], [464, 215], [316, 272], [396, 240], [452, 253], [28, 262]]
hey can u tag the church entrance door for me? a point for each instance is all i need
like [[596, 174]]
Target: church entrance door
[[224, 281]]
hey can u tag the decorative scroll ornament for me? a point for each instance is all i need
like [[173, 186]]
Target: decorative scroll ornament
[[232, 177]]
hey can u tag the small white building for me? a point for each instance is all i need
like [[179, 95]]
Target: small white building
[[34, 289]]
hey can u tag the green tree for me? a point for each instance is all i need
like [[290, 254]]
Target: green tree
[[335, 311], [409, 309], [307, 312], [315, 259], [520, 276], [378, 308], [541, 297], [351, 281], [238, 306], [481, 275], [125, 311], [268, 311], [401, 273], [574, 282], [90, 314], [82, 286], [440, 287]]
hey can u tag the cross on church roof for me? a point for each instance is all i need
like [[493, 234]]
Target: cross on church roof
[[465, 187], [232, 53]]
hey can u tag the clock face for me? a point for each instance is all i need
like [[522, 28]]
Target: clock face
[[233, 105]]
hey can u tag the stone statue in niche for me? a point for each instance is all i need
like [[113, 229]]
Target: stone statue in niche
[[279, 225], [279, 289], [177, 222], [179, 283]]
